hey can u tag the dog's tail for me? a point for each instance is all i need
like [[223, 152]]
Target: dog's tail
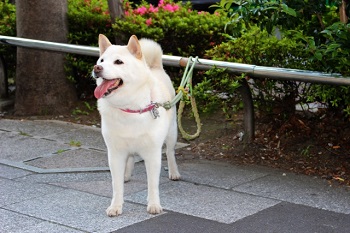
[[152, 53]]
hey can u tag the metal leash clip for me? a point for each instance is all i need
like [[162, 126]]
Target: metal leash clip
[[154, 111]]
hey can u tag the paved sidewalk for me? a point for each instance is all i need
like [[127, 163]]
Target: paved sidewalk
[[54, 178]]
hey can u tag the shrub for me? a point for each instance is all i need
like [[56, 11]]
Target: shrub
[[217, 91], [246, 13], [86, 20], [176, 27], [259, 48], [331, 56], [180, 30], [313, 16], [7, 18], [311, 41], [8, 28]]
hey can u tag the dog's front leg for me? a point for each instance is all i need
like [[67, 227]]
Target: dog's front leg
[[117, 164], [153, 162]]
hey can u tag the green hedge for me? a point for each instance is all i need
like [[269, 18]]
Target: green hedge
[[8, 28], [313, 40], [86, 20], [259, 48], [180, 30]]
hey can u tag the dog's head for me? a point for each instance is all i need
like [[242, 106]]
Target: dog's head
[[120, 70]]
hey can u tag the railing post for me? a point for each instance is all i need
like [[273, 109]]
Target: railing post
[[248, 108], [3, 79]]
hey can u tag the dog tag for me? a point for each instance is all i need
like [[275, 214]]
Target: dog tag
[[155, 113]]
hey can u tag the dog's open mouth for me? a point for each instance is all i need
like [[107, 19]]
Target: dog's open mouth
[[107, 87]]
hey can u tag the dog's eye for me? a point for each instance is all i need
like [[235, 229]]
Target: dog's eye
[[118, 62], [101, 60]]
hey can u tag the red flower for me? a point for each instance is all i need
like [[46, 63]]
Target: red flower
[[171, 8], [152, 9], [141, 10], [149, 21]]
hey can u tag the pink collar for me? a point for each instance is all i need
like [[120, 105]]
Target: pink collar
[[150, 108]]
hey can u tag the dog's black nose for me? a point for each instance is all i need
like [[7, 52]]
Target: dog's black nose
[[97, 68]]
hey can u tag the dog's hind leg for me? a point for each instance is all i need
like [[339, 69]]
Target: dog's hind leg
[[129, 168], [170, 142]]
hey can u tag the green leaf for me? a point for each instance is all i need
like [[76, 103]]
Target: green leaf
[[318, 55], [288, 10]]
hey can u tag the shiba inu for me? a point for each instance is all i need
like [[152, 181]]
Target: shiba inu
[[130, 82]]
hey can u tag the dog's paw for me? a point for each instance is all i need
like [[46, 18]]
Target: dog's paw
[[113, 211], [174, 176], [127, 179], [154, 209]]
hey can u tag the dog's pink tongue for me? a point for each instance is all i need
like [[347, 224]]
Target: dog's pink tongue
[[102, 89]]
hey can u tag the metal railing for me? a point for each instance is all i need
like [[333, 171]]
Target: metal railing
[[203, 64]]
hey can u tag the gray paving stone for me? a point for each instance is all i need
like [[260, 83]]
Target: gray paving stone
[[36, 128], [178, 223], [89, 137], [66, 177], [217, 174], [71, 159], [100, 188], [206, 202], [26, 148], [81, 211], [14, 222], [137, 183], [34, 169], [300, 189], [12, 173], [291, 218], [14, 191], [80, 176]]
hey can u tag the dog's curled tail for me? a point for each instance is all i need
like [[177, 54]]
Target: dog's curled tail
[[152, 53]]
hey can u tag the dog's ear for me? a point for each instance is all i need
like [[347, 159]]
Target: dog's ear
[[103, 43], [134, 47]]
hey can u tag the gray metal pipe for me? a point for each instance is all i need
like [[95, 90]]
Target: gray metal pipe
[[300, 75], [50, 46], [203, 64], [265, 71]]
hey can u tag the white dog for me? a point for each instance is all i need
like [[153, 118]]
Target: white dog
[[130, 82]]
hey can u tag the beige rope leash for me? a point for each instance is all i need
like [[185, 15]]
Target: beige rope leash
[[189, 93], [185, 89]]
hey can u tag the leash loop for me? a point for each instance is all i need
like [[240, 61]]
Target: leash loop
[[185, 89]]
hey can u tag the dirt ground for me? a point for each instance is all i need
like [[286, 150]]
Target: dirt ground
[[311, 144]]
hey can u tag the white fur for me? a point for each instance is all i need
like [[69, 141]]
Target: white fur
[[126, 134]]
